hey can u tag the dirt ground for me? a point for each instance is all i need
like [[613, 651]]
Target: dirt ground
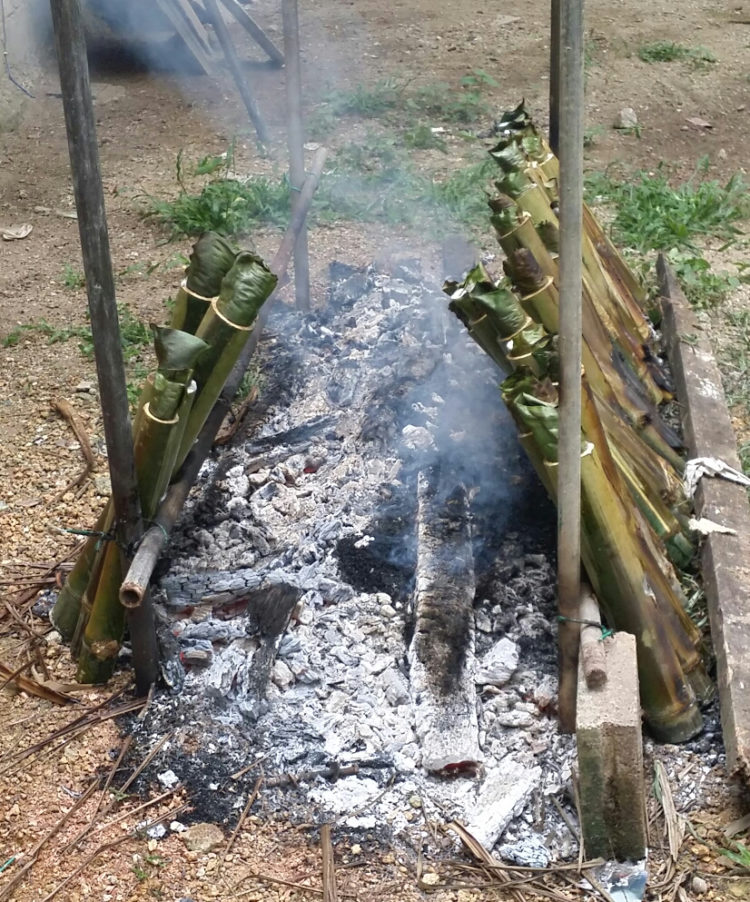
[[144, 120]]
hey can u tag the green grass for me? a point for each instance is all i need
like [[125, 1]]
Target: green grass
[[399, 104], [652, 215], [670, 52], [227, 206], [54, 334], [72, 278]]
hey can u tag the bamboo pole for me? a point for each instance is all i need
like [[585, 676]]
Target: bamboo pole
[[296, 143], [135, 585], [255, 31], [92, 224], [225, 39], [571, 232]]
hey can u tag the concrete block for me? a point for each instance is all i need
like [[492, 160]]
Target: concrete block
[[610, 757]]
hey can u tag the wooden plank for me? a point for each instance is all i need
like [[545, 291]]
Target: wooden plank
[[725, 558], [186, 10], [256, 32], [175, 12]]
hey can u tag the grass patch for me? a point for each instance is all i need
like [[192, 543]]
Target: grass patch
[[396, 194], [72, 278], [670, 52], [54, 334], [220, 202], [396, 102], [651, 215], [227, 206]]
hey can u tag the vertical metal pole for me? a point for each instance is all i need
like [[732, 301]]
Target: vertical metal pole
[[105, 329], [569, 447], [296, 143], [554, 76]]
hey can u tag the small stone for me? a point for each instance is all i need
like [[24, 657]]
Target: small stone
[[626, 118], [202, 838], [177, 827], [152, 845], [84, 387], [102, 485], [431, 878], [699, 886], [282, 676], [415, 801], [722, 154], [168, 779], [356, 849], [387, 610]]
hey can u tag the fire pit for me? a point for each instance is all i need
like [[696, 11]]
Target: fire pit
[[290, 607]]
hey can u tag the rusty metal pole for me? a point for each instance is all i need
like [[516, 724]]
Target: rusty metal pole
[[569, 444]]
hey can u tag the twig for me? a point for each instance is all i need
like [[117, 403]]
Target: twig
[[566, 820], [33, 687], [65, 409], [136, 773], [330, 893], [76, 727], [674, 825], [245, 770], [132, 811], [245, 812]]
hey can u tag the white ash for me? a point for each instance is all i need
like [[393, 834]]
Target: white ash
[[318, 499]]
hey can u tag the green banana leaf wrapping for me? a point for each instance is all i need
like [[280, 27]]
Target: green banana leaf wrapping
[[211, 259], [226, 329], [176, 352]]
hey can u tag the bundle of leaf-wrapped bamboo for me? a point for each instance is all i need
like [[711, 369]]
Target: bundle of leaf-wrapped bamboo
[[634, 510], [219, 300]]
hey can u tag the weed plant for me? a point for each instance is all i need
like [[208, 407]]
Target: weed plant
[[651, 215], [669, 52]]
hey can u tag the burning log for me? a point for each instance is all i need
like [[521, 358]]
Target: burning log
[[441, 654]]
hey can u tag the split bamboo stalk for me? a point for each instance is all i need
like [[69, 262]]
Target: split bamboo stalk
[[225, 39]]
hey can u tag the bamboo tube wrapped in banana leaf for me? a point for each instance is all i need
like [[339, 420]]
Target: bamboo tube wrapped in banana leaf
[[158, 434], [497, 321], [225, 328], [211, 259], [626, 590]]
